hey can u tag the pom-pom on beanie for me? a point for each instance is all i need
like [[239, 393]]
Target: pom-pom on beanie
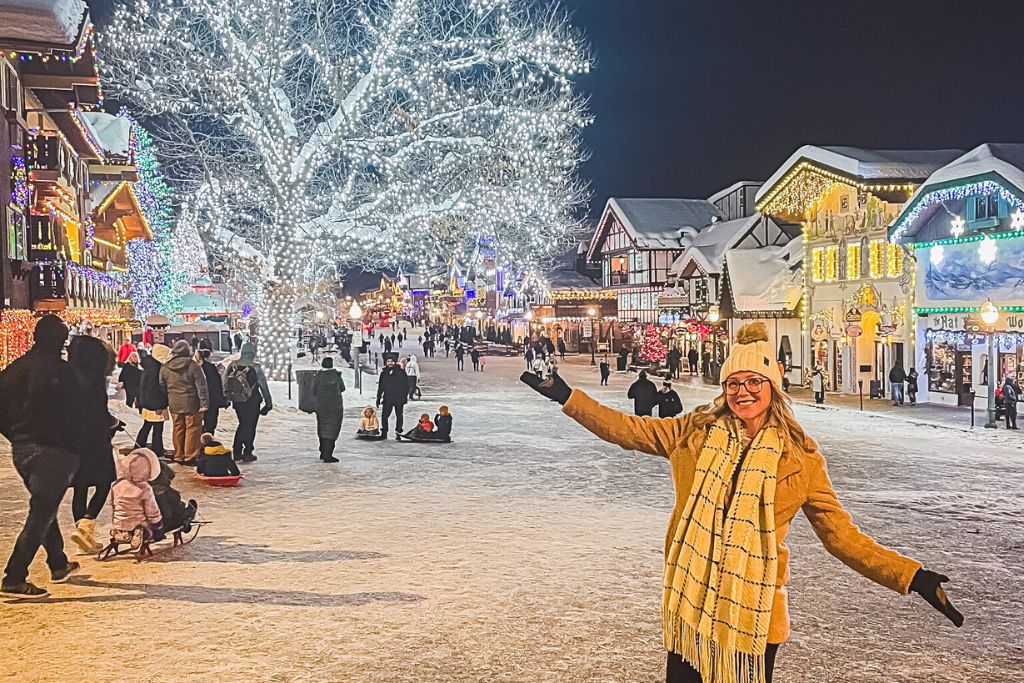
[[752, 353]]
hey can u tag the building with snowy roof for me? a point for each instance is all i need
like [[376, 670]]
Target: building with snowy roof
[[856, 309], [636, 242], [964, 227], [63, 232]]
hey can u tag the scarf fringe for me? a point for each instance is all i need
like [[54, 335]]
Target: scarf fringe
[[714, 663]]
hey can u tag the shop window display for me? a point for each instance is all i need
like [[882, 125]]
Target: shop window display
[[942, 368]]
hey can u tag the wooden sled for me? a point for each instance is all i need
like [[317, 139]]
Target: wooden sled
[[145, 552]]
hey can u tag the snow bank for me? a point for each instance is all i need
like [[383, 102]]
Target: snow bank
[[112, 132]]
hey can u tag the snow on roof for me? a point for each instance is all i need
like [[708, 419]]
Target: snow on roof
[[766, 279], [659, 223], [42, 21], [1003, 159], [869, 164], [112, 132], [197, 303], [708, 247]]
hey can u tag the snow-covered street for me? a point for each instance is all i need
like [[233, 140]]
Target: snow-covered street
[[525, 551]]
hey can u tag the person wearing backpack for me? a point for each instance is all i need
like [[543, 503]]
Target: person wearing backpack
[[245, 386]]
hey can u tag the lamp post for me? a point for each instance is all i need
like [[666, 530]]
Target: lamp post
[[356, 313], [989, 314], [592, 312]]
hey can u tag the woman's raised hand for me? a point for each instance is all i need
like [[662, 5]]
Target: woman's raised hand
[[553, 387]]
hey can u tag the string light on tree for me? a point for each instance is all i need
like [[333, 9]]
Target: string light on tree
[[312, 132]]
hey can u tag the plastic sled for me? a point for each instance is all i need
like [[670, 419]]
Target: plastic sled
[[417, 439], [370, 437], [179, 537], [228, 481]]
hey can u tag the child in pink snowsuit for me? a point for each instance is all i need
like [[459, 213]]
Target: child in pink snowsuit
[[136, 514]]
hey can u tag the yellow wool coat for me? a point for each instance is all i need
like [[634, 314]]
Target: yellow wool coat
[[802, 483]]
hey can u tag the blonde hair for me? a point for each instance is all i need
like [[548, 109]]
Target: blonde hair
[[368, 411], [780, 414]]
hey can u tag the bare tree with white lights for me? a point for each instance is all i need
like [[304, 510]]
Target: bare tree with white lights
[[379, 132]]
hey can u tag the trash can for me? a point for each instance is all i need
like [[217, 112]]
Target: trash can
[[307, 401]]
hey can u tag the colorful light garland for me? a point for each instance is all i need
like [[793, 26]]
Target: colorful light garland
[[19, 179]]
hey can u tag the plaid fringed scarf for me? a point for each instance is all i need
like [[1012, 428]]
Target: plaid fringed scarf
[[720, 570]]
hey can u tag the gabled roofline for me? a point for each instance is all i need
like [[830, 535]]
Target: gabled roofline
[[899, 233]]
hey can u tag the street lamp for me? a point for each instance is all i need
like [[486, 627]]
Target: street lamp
[[713, 315], [989, 314], [354, 311], [592, 312]]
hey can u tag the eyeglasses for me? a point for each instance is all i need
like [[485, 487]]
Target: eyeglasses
[[752, 385]]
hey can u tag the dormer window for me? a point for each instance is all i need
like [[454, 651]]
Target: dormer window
[[986, 207]]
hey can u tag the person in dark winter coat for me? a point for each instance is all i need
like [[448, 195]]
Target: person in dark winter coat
[[1010, 402], [644, 395], [187, 399], [215, 460], [912, 386], [669, 404], [93, 360], [561, 348], [691, 358], [130, 378], [897, 376], [215, 391], [245, 385], [474, 355], [460, 356], [328, 387], [673, 361], [388, 344], [153, 400], [392, 394], [39, 415], [606, 371], [442, 425]]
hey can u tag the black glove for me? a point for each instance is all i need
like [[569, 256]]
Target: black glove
[[553, 387], [265, 410], [929, 586]]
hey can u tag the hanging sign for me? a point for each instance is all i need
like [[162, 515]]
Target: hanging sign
[[853, 330], [819, 333], [886, 330]]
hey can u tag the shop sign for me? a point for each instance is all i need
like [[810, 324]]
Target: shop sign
[[819, 333], [853, 330], [950, 323], [854, 315], [1014, 322], [588, 330], [886, 330]]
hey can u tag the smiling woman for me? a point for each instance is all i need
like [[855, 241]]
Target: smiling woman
[[742, 468]]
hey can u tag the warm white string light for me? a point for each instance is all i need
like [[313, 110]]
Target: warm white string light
[[395, 133]]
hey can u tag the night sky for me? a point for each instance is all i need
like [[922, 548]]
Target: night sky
[[691, 96]]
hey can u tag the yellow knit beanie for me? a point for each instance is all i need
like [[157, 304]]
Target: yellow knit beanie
[[751, 353]]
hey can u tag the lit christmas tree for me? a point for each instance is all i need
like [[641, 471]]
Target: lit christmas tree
[[162, 271], [391, 133], [652, 349]]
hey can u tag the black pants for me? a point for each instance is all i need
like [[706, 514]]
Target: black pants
[[158, 437], [693, 367], [1011, 416], [210, 420], [245, 436], [476, 366], [604, 380], [89, 508], [130, 397], [386, 416], [326, 448], [460, 363], [819, 396], [679, 671], [46, 471]]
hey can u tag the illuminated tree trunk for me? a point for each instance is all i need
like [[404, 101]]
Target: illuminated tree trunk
[[277, 332]]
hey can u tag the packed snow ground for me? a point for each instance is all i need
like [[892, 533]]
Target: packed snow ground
[[525, 551]]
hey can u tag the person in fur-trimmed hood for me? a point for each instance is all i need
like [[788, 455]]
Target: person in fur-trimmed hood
[[742, 468]]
